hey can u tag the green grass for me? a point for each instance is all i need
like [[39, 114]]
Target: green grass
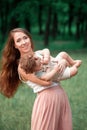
[[15, 113], [77, 92]]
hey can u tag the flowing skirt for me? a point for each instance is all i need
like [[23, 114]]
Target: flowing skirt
[[51, 110]]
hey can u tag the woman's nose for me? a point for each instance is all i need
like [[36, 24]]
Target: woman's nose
[[23, 41]]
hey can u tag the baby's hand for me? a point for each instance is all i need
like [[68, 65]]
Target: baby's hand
[[60, 66], [46, 60], [56, 67]]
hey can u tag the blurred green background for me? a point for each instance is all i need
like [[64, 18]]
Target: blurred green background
[[50, 20], [60, 25]]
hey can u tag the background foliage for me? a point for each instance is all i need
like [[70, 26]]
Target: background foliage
[[55, 19]]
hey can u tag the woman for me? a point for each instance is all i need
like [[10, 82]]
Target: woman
[[51, 109]]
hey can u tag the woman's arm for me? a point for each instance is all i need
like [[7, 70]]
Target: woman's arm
[[32, 78]]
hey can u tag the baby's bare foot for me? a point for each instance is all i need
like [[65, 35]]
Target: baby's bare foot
[[78, 63]]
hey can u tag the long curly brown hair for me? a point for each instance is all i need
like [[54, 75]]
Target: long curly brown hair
[[9, 78]]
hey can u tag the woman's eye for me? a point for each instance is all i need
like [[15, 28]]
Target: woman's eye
[[25, 37], [18, 40]]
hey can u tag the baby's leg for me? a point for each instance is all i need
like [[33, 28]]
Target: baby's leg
[[68, 73], [70, 60], [77, 63], [73, 71], [65, 75]]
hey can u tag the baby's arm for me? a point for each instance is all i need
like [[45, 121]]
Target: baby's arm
[[46, 55], [58, 68], [32, 78], [49, 75]]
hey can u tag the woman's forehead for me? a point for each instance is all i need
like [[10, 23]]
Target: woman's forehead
[[18, 35]]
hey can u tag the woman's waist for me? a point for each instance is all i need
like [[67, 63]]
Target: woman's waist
[[38, 88], [52, 89]]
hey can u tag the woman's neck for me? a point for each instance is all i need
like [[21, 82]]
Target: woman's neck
[[27, 53]]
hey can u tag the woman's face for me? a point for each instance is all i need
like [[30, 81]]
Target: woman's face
[[22, 42]]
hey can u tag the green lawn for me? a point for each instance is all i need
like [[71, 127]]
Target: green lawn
[[15, 113]]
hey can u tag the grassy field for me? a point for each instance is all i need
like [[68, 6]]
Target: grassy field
[[15, 113]]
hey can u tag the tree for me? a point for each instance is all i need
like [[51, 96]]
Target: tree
[[47, 28]]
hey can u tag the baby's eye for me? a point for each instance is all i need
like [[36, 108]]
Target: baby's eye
[[35, 58]]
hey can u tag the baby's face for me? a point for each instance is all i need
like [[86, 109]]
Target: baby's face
[[38, 64]]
